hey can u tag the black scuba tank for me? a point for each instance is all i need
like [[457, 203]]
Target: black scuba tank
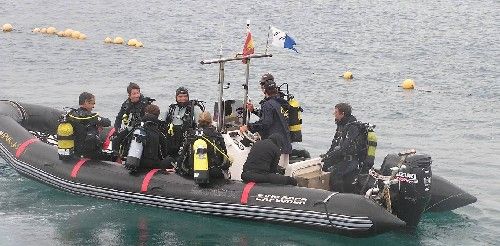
[[410, 195]]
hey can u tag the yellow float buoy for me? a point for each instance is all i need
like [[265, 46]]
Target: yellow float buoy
[[408, 84], [118, 40], [139, 44], [68, 32], [347, 75], [108, 40], [7, 27], [82, 36], [43, 30], [75, 34], [36, 30], [51, 30], [132, 42]]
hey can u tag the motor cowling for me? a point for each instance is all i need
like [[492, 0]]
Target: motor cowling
[[65, 140], [135, 150], [411, 193], [200, 162]]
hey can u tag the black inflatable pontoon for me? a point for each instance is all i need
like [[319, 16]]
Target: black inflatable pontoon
[[348, 214]]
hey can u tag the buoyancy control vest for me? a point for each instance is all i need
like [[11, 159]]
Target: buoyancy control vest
[[178, 120], [131, 114], [86, 135]]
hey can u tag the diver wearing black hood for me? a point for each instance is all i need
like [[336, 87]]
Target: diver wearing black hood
[[341, 159], [262, 162]]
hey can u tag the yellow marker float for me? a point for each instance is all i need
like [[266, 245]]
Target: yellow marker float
[[7, 27], [408, 84], [347, 75]]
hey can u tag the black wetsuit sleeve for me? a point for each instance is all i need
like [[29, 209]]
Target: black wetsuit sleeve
[[275, 161], [265, 121], [118, 119]]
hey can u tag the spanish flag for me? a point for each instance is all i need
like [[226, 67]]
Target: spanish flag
[[248, 47]]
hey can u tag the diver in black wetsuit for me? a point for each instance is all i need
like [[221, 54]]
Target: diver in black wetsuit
[[262, 163], [131, 113], [154, 153], [86, 128]]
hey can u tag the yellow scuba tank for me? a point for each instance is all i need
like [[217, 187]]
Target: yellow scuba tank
[[372, 147], [295, 120], [65, 139], [200, 162]]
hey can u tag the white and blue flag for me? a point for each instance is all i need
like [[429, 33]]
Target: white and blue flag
[[281, 39]]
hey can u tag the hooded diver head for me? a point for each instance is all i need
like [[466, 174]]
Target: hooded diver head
[[277, 139]]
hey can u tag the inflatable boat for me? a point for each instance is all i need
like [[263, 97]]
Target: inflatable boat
[[26, 131]]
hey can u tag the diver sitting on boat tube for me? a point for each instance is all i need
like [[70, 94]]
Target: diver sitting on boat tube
[[204, 154], [85, 127], [273, 117], [261, 165], [131, 113], [180, 117], [148, 145]]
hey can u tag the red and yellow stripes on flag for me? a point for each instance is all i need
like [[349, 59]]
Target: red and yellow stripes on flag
[[248, 47]]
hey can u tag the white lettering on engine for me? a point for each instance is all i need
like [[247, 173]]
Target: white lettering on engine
[[407, 177]]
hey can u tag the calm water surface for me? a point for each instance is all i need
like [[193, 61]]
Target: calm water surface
[[450, 48]]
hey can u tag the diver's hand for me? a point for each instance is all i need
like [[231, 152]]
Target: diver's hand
[[250, 106], [243, 128]]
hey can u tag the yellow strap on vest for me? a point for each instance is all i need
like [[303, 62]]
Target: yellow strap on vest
[[170, 130], [215, 147], [83, 118], [295, 128]]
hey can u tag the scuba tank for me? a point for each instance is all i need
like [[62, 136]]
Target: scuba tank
[[372, 147], [294, 114], [200, 161], [295, 119], [135, 151], [65, 139]]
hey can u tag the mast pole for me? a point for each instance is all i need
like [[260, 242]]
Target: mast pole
[[220, 115], [246, 115]]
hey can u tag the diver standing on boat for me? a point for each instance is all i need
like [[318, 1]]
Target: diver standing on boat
[[273, 117], [148, 148], [180, 117], [342, 158], [131, 113], [261, 165], [86, 128]]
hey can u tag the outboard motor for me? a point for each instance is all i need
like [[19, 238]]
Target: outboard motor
[[410, 192], [135, 150]]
